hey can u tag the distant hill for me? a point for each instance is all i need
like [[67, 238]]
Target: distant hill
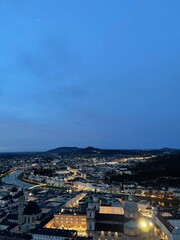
[[73, 150], [64, 150], [91, 151]]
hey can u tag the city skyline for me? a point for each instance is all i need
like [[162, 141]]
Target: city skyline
[[102, 74]]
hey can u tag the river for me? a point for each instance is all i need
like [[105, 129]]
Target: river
[[12, 178]]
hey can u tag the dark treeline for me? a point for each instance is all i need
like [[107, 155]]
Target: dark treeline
[[44, 172], [164, 169]]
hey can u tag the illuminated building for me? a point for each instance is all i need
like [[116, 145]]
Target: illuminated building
[[114, 224], [169, 224], [69, 219], [127, 226]]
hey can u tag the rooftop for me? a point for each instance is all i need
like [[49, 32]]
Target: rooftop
[[54, 232], [110, 218], [109, 227]]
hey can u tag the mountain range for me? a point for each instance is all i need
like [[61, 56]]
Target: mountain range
[[108, 152]]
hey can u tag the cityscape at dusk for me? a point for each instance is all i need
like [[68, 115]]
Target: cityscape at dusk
[[89, 120]]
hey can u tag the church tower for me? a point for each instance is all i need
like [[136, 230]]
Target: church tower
[[91, 214], [96, 201], [21, 209]]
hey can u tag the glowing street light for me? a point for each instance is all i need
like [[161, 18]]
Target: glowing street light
[[143, 224], [146, 225]]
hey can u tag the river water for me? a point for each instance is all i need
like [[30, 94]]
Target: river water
[[12, 178]]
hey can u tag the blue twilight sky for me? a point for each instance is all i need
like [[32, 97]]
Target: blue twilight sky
[[104, 73]]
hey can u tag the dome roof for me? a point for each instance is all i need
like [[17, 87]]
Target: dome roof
[[131, 224], [32, 208], [130, 206]]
